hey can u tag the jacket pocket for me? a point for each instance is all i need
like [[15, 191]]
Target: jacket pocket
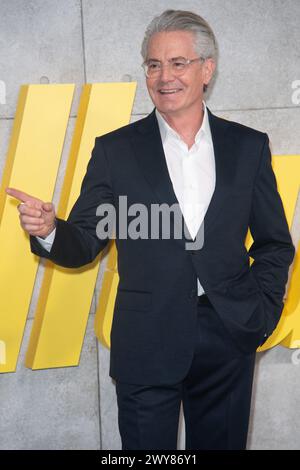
[[133, 300], [246, 284]]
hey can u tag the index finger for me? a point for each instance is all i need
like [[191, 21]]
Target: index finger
[[20, 195]]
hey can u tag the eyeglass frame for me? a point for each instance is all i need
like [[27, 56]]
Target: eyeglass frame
[[169, 61]]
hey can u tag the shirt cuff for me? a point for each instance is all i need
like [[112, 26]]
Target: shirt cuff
[[48, 241]]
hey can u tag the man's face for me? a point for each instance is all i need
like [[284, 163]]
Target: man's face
[[175, 95]]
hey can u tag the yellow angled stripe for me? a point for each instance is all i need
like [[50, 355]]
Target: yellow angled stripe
[[32, 164], [104, 314], [287, 332], [66, 294]]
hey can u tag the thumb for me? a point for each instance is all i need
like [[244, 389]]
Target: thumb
[[47, 206]]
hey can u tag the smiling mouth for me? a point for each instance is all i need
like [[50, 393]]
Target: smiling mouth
[[169, 91]]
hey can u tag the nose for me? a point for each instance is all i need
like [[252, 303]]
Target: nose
[[166, 74]]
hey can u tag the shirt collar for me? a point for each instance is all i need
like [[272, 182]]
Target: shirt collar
[[166, 130]]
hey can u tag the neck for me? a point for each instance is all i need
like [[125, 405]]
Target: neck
[[185, 124]]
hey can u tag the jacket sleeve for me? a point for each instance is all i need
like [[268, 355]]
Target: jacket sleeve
[[76, 241], [272, 248]]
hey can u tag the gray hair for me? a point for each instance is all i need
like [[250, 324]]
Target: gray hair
[[180, 20]]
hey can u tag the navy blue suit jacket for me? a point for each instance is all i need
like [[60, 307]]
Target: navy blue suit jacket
[[155, 311]]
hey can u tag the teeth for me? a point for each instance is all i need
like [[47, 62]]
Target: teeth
[[169, 91]]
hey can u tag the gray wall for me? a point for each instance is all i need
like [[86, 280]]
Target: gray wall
[[78, 41]]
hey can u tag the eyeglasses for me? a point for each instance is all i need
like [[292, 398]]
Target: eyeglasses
[[178, 66]]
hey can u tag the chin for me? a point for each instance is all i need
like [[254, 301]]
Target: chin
[[167, 107], [171, 110]]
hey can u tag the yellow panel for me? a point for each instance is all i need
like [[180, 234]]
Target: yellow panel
[[66, 295], [287, 332], [112, 258], [104, 314], [291, 313], [32, 164]]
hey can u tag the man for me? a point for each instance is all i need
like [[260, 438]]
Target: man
[[187, 319]]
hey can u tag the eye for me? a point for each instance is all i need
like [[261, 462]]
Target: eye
[[178, 64], [153, 65]]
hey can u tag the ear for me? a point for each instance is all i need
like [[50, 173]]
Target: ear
[[209, 67]]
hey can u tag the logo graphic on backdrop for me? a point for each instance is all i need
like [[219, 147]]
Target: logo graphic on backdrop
[[64, 300]]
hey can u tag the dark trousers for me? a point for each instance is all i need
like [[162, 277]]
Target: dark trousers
[[216, 397]]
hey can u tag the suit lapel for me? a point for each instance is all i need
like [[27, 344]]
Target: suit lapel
[[223, 168], [151, 159]]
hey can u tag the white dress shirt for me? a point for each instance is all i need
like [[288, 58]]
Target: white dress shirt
[[192, 173]]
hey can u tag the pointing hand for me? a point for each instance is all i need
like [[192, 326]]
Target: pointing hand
[[36, 217]]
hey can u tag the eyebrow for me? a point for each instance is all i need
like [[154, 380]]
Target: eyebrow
[[172, 58]]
